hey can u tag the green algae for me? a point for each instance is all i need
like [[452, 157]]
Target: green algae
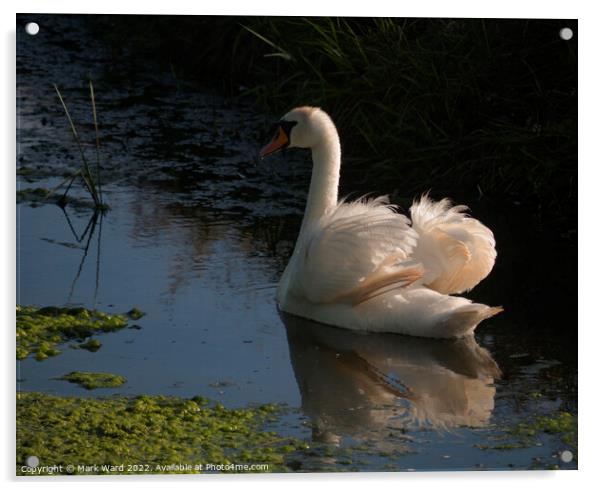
[[92, 345], [91, 381], [507, 447], [146, 434], [563, 424], [135, 314], [39, 330]]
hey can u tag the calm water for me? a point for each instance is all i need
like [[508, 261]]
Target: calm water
[[198, 234]]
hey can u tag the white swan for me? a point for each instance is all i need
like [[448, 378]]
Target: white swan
[[360, 265]]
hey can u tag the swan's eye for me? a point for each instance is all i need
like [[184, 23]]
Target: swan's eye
[[287, 126]]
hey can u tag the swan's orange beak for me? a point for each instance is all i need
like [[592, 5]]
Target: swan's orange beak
[[279, 141]]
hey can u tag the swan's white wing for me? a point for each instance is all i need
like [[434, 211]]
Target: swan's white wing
[[355, 252], [457, 251]]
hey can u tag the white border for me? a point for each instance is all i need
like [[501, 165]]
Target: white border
[[590, 163], [426, 8]]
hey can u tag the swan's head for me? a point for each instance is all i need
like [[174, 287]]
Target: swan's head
[[303, 127]]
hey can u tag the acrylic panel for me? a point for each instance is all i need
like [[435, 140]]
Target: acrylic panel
[[194, 295]]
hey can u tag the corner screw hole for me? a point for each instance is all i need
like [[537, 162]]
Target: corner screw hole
[[32, 28], [566, 33], [566, 456]]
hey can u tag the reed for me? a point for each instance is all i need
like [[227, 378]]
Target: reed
[[92, 185], [96, 139]]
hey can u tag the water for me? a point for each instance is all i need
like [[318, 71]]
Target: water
[[197, 236]]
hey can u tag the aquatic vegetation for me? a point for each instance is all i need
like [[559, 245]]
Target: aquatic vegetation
[[91, 183], [91, 381], [92, 345], [146, 434], [135, 314], [39, 330], [561, 423]]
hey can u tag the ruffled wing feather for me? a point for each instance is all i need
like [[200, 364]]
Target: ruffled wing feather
[[457, 251]]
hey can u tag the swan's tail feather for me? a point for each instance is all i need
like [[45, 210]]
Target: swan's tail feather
[[465, 319], [494, 310]]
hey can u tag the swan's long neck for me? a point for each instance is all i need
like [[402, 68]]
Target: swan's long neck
[[324, 186]]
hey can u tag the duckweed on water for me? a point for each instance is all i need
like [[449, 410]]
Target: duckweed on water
[[91, 381], [92, 345], [39, 330], [135, 314], [563, 424], [146, 434]]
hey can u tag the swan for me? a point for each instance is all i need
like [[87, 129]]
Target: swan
[[364, 266]]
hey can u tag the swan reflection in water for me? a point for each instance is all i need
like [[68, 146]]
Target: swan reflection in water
[[372, 386]]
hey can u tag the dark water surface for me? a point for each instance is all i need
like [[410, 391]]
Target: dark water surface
[[197, 236]]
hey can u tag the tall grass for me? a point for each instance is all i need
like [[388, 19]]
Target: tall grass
[[487, 106]]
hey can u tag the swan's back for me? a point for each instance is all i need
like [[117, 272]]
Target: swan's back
[[351, 252]]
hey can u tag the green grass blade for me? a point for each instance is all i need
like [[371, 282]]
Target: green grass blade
[[97, 140], [86, 175]]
